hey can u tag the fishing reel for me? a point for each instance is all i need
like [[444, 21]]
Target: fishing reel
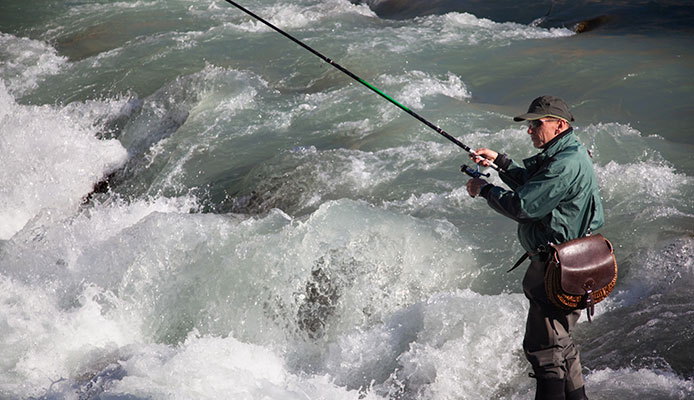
[[475, 173]]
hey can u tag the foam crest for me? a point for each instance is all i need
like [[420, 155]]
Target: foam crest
[[26, 63], [62, 339], [625, 383], [230, 367], [418, 85], [52, 159], [63, 253], [635, 184], [484, 30], [454, 29], [293, 16], [432, 349], [206, 367], [619, 142]]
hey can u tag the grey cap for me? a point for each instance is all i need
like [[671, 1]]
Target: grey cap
[[546, 106]]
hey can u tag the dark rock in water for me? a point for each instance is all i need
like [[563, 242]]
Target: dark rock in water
[[320, 303], [148, 125], [93, 385], [110, 34], [591, 24], [102, 186], [331, 275]]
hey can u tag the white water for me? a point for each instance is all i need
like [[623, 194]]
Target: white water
[[281, 233]]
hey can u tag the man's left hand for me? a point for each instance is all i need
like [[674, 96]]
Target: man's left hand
[[474, 186]]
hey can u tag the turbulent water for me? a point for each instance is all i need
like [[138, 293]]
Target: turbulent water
[[194, 207]]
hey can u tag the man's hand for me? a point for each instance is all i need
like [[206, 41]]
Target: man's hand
[[484, 157], [474, 186]]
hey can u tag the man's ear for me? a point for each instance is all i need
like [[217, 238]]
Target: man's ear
[[562, 126]]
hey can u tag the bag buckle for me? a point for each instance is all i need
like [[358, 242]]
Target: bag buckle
[[590, 305]]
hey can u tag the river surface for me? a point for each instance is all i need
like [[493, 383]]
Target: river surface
[[194, 207]]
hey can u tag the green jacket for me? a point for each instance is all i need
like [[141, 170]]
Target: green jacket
[[554, 196]]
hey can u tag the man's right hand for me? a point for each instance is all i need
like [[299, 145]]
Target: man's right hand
[[484, 157]]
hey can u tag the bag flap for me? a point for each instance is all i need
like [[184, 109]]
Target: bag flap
[[587, 263]]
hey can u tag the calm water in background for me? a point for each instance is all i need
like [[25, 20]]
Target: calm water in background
[[272, 229]]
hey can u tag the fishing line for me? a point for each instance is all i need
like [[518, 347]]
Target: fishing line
[[365, 83]]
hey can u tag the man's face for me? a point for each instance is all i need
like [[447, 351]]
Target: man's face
[[543, 130]]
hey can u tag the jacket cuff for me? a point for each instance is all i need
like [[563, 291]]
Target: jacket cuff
[[485, 190], [502, 161]]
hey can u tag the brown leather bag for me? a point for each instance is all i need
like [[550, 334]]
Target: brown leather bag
[[581, 273]]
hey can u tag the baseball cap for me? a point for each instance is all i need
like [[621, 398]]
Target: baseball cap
[[546, 106]]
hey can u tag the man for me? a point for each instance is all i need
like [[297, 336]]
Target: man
[[554, 198]]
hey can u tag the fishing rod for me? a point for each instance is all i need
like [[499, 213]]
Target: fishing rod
[[474, 173]]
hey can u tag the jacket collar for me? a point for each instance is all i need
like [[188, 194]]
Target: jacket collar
[[556, 139], [550, 149]]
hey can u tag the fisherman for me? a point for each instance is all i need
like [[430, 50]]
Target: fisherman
[[554, 198]]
